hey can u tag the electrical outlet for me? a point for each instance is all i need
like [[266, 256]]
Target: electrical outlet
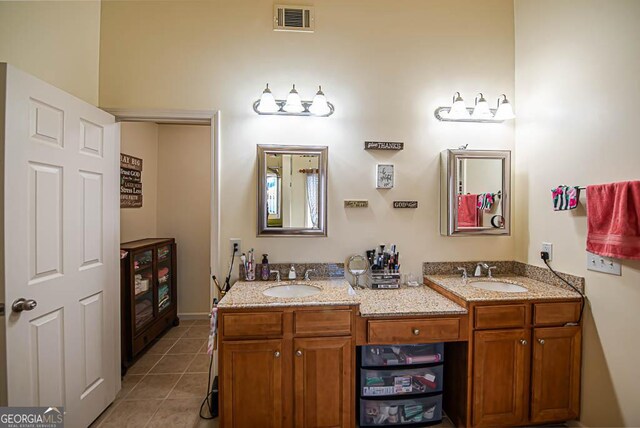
[[548, 247], [603, 264], [238, 242]]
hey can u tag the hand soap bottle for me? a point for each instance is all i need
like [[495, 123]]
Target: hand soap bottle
[[265, 271]]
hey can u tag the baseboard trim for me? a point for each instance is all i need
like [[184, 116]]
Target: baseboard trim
[[575, 423], [194, 315]]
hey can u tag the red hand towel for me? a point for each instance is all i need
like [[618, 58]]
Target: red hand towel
[[468, 211], [613, 213]]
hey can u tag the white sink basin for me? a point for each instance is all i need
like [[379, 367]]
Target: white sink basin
[[292, 291], [502, 287]]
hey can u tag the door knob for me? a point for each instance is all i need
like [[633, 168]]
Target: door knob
[[23, 304], [541, 341], [523, 342], [299, 353]]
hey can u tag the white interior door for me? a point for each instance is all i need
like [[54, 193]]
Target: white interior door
[[61, 240]]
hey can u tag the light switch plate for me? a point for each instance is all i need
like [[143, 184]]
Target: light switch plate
[[603, 264]]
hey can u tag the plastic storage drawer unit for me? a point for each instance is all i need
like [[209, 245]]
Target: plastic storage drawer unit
[[425, 411], [392, 382], [402, 355]]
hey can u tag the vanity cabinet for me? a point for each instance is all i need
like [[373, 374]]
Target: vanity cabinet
[[526, 371], [555, 377], [500, 365], [292, 367], [252, 381], [322, 378]]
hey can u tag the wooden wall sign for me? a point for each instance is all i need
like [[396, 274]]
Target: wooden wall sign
[[383, 145], [356, 203], [130, 181], [405, 204]]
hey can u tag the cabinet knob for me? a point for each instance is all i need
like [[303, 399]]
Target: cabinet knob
[[276, 354], [523, 342], [541, 341], [299, 353], [416, 331]]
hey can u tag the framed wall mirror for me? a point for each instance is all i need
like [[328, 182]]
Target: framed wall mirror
[[475, 192], [292, 190]]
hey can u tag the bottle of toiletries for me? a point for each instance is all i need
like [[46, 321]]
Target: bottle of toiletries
[[292, 273], [265, 270]]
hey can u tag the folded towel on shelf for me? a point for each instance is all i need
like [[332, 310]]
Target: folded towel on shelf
[[565, 197], [468, 215], [613, 218], [486, 200]]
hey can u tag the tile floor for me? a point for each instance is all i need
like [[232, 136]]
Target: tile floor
[[166, 386]]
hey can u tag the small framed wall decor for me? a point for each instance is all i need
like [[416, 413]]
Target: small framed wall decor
[[384, 176]]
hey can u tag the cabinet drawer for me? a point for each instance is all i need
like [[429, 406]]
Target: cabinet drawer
[[503, 316], [556, 313], [323, 322], [413, 331], [254, 324]]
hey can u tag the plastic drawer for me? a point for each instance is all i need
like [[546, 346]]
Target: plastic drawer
[[392, 382], [400, 412], [396, 355]]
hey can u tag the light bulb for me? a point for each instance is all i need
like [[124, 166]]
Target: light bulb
[[505, 110], [481, 110], [267, 102], [458, 109], [294, 103], [319, 106]]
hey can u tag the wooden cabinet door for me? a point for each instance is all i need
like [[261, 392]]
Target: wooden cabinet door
[[251, 391], [500, 377], [555, 390], [323, 382]]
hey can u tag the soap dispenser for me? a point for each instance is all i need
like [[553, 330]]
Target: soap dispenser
[[292, 273], [265, 271]]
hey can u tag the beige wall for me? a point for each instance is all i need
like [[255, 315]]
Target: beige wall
[[141, 140], [184, 198], [56, 41], [577, 68], [386, 68]]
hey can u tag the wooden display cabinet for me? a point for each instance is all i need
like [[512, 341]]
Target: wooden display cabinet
[[148, 293]]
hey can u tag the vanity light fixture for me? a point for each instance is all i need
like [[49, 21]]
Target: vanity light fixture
[[458, 110], [319, 106], [505, 110], [293, 105], [481, 112], [267, 103]]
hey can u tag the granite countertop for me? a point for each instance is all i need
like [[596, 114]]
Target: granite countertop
[[406, 301], [248, 294], [537, 290]]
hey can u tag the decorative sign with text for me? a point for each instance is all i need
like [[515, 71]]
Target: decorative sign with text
[[383, 145], [130, 181], [356, 203], [405, 204]]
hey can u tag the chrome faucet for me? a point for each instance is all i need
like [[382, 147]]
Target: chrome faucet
[[465, 276], [277, 272], [479, 267], [306, 274]]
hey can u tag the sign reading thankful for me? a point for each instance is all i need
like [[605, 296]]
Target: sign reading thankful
[[382, 145], [405, 204], [130, 181], [356, 203]]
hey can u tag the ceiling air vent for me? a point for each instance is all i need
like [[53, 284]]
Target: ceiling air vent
[[293, 18]]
